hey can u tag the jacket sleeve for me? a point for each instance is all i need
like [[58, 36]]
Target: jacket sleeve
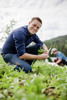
[[19, 42]]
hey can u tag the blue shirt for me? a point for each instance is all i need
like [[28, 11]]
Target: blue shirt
[[60, 55], [18, 40]]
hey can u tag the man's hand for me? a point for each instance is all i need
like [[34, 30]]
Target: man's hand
[[43, 56]]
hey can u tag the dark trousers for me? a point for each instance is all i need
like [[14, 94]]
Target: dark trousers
[[63, 61], [25, 65]]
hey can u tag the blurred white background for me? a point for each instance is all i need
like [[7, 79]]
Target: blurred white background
[[52, 12]]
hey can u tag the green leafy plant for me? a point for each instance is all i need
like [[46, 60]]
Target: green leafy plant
[[46, 83]]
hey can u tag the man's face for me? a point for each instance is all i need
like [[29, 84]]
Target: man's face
[[34, 26], [55, 52]]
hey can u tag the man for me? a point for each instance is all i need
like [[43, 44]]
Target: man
[[61, 58], [16, 50]]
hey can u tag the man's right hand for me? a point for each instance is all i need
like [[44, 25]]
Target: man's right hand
[[43, 56]]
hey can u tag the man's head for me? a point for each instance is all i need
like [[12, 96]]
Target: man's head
[[54, 51], [34, 25]]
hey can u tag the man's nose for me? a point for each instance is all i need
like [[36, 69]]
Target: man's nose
[[35, 28]]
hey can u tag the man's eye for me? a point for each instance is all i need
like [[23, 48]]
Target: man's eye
[[37, 27], [34, 25]]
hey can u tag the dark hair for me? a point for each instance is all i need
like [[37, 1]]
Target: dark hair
[[36, 18]]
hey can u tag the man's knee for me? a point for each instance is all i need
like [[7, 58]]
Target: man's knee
[[17, 68], [26, 69]]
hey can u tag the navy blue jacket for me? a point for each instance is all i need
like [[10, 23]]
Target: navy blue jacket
[[18, 40]]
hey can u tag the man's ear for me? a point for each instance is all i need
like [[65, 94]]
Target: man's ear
[[29, 22]]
